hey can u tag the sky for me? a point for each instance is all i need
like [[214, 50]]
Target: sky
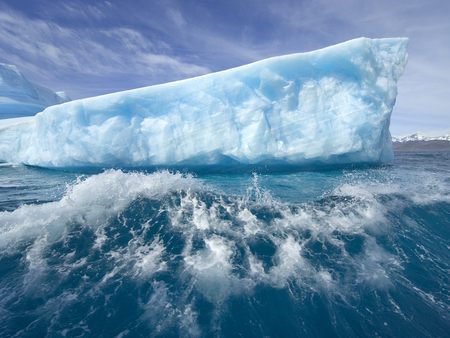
[[88, 48]]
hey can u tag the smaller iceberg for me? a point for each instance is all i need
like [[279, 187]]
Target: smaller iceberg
[[20, 97], [330, 106]]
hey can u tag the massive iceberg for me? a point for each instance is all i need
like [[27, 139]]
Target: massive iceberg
[[328, 106], [21, 97]]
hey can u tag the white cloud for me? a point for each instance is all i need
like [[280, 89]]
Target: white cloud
[[166, 61], [45, 50], [176, 17], [171, 40], [424, 90]]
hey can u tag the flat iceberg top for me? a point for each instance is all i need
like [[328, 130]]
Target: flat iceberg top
[[330, 106]]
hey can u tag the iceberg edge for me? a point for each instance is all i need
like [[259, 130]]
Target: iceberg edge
[[329, 106]]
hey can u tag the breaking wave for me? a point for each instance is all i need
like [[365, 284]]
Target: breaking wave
[[167, 254]]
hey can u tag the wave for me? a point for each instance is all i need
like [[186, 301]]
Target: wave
[[179, 242]]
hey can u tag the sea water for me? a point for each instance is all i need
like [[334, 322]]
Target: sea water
[[345, 252]]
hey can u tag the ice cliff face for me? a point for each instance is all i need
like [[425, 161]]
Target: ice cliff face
[[331, 106], [20, 97]]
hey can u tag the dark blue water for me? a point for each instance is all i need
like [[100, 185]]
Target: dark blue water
[[345, 253]]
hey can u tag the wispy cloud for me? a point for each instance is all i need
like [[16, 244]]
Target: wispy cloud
[[102, 46], [48, 50], [424, 90]]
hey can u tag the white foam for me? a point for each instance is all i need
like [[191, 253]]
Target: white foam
[[225, 226], [91, 202], [419, 187], [212, 269], [290, 262]]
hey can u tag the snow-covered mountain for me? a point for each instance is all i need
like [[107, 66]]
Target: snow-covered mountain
[[21, 97], [421, 137], [423, 142]]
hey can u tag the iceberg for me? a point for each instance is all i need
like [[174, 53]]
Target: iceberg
[[20, 97], [328, 106]]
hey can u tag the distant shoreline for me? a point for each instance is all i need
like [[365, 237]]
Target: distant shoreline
[[414, 146]]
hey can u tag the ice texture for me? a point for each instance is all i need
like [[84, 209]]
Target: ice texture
[[21, 97], [328, 106]]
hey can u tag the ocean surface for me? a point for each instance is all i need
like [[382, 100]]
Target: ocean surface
[[349, 252]]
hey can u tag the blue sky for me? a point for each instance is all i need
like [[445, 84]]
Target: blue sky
[[88, 48]]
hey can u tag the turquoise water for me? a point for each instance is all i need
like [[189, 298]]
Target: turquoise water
[[348, 252]]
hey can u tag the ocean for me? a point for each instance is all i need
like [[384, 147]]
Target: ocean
[[347, 252]]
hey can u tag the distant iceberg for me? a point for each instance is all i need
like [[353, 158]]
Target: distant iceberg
[[20, 97], [329, 106]]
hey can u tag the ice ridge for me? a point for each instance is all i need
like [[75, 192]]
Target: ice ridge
[[328, 106]]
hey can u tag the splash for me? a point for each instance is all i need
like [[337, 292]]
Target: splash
[[176, 248]]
